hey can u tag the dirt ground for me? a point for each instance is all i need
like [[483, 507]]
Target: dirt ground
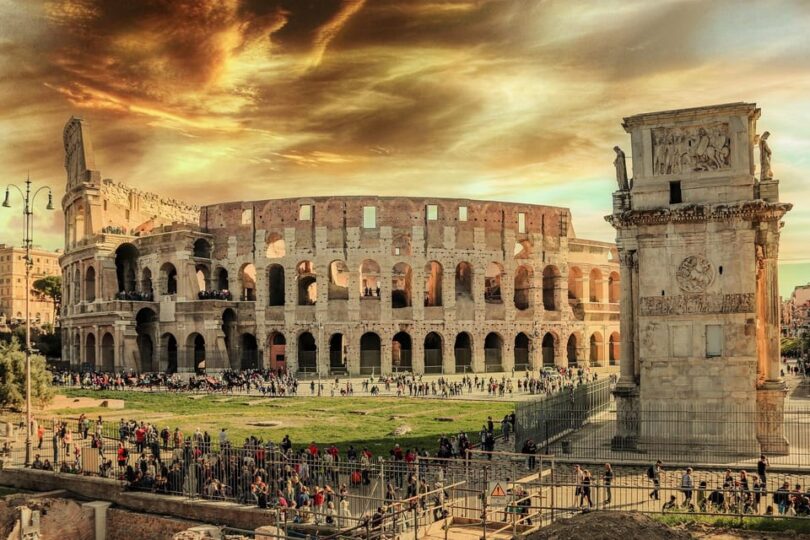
[[64, 402], [632, 525]]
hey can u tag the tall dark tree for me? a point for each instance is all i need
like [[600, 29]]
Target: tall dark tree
[[50, 287]]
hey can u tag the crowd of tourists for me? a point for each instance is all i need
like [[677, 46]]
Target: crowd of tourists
[[742, 492], [304, 483], [276, 383]]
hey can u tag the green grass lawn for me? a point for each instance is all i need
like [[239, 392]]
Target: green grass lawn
[[750, 523], [361, 421]]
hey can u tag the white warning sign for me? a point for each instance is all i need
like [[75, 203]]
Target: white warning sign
[[497, 495]]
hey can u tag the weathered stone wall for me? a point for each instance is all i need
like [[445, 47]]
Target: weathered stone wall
[[126, 525]]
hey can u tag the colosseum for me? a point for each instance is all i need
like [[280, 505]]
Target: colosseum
[[327, 285]]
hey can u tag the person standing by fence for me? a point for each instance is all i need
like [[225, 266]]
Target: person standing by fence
[[686, 486], [607, 478]]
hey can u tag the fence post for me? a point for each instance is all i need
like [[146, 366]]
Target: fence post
[[484, 502]]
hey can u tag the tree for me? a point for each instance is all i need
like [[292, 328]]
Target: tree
[[12, 377], [51, 287]]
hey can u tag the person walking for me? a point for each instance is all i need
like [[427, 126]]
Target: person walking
[[607, 478], [585, 491], [762, 471], [505, 427], [654, 474]]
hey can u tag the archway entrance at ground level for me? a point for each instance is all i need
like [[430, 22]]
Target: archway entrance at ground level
[[278, 351], [249, 353], [614, 349], [370, 358], [337, 354], [522, 352], [597, 348], [493, 352], [571, 351], [401, 352], [433, 353], [463, 353], [145, 323], [108, 353], [168, 346], [195, 344], [307, 353], [549, 344]]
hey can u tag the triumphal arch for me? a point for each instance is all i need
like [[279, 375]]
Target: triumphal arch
[[697, 229]]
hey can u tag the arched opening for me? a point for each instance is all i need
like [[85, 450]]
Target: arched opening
[[146, 283], [307, 284], [278, 351], [126, 264], [249, 354], [338, 281], [433, 353], [90, 351], [614, 349], [595, 285], [247, 276], [401, 286], [275, 285], [307, 353], [370, 279], [464, 281], [574, 285], [168, 344], [108, 353], [493, 352], [522, 344], [433, 284], [90, 285], [203, 275], [337, 354], [145, 328], [492, 283], [168, 279], [549, 349], [229, 329], [401, 352], [195, 344], [614, 291], [597, 345], [222, 279], [202, 248], [275, 247], [463, 352], [572, 351], [523, 288], [370, 357]]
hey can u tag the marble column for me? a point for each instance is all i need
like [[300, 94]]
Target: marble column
[[627, 392], [771, 388]]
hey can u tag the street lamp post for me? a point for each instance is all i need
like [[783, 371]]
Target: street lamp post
[[28, 239]]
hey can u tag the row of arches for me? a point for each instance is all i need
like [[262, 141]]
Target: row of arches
[[370, 351], [370, 281]]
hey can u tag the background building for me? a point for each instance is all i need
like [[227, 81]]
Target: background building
[[12, 284], [328, 284], [796, 312]]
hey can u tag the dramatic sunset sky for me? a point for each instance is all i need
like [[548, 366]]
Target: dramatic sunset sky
[[521, 100]]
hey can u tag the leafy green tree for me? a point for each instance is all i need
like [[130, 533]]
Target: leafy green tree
[[791, 347], [50, 287], [12, 377]]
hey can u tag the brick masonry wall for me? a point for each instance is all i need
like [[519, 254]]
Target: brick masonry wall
[[125, 525]]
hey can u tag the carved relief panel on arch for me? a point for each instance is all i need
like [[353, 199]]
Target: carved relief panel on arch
[[679, 150]]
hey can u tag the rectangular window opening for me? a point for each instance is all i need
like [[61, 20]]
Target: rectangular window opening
[[521, 222], [432, 212], [369, 217], [305, 212], [462, 213], [675, 196], [714, 340]]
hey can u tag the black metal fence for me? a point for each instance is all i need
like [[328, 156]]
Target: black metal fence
[[548, 420], [719, 438]]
